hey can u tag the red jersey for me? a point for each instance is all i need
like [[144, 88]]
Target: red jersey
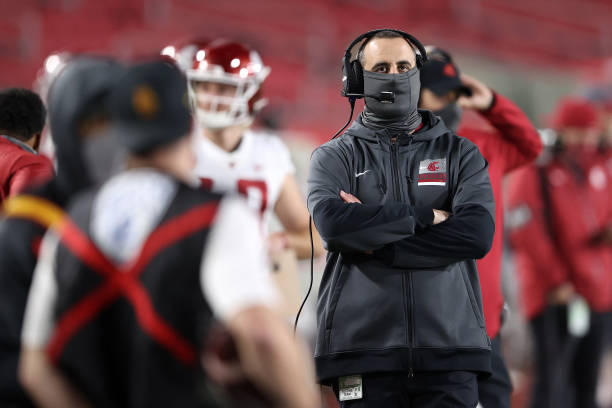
[[511, 143], [557, 211], [20, 167]]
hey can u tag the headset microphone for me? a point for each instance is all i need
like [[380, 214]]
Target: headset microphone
[[382, 97]]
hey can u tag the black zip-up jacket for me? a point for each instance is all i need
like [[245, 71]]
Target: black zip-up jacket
[[415, 303]]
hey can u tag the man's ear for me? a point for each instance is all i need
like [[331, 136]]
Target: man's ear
[[36, 141]]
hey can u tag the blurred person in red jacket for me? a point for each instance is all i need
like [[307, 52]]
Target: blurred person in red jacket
[[559, 214], [22, 118], [605, 148], [601, 96], [607, 123], [512, 142], [605, 107], [604, 103]]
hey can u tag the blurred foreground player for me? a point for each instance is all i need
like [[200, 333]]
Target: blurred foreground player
[[22, 118], [512, 142], [559, 218], [78, 118], [124, 295], [225, 80]]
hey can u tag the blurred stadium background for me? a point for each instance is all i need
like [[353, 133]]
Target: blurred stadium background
[[532, 51]]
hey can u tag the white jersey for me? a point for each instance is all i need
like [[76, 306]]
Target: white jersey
[[256, 169]]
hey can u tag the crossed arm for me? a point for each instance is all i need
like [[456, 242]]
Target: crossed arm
[[403, 235]]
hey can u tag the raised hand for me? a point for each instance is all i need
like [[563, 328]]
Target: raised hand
[[481, 98]]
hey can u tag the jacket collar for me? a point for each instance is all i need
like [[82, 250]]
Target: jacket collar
[[432, 128], [19, 143]]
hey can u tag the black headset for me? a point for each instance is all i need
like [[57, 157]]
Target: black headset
[[352, 71]]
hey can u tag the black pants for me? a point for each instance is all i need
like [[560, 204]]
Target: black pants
[[494, 391], [567, 368], [455, 389]]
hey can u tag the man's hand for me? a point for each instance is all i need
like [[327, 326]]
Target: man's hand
[[277, 243], [220, 358], [440, 216], [349, 198], [481, 98]]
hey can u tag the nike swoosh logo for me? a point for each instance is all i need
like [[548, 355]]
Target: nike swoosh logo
[[361, 174]]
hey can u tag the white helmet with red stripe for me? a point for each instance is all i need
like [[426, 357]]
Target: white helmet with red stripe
[[225, 81]]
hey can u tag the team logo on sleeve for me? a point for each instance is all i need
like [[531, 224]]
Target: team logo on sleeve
[[432, 172]]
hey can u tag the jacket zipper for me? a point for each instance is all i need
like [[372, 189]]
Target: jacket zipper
[[396, 186], [408, 306], [406, 318], [411, 293], [412, 330]]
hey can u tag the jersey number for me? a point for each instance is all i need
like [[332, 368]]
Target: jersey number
[[255, 191]]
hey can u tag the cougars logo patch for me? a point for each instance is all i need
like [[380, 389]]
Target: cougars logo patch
[[432, 172]]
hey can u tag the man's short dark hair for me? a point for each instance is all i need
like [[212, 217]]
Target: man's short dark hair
[[381, 34], [22, 113]]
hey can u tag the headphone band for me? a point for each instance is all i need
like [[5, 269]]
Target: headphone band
[[368, 35]]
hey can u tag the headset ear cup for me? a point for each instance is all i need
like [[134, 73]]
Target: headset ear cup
[[346, 81], [357, 80]]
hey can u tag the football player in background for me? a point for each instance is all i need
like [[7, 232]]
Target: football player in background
[[225, 92], [224, 86]]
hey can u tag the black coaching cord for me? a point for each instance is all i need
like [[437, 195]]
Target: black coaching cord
[[297, 317]]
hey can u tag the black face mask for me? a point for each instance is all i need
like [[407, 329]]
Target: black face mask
[[402, 114], [450, 115]]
